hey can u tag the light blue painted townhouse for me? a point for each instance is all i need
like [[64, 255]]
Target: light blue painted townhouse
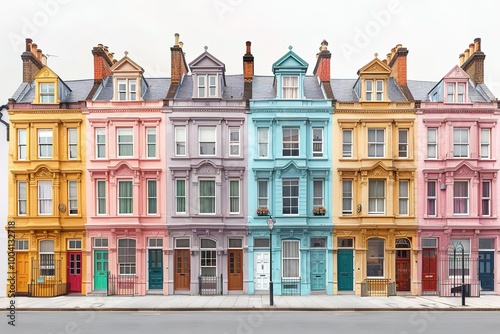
[[290, 171]]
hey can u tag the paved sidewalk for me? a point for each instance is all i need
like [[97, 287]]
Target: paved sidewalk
[[253, 302]]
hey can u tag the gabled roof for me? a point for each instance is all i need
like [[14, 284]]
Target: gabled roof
[[232, 90], [263, 89], [206, 61], [343, 90], [157, 89], [46, 72], [290, 61], [456, 73], [126, 65], [376, 66]]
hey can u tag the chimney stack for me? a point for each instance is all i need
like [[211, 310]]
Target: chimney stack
[[397, 62], [178, 62], [473, 63], [103, 61], [32, 61], [248, 71], [322, 68]]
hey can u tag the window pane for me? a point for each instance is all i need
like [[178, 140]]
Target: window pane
[[234, 196], [263, 142], [152, 197], [207, 196], [180, 189]]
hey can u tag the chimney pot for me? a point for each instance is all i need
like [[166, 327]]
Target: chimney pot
[[176, 43], [462, 58], [249, 47], [466, 53], [471, 48], [477, 44], [389, 57], [100, 46], [28, 44], [39, 54], [181, 44]]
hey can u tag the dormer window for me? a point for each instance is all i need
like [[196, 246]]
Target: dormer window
[[127, 89], [455, 92], [207, 85], [374, 90], [47, 92], [290, 87]]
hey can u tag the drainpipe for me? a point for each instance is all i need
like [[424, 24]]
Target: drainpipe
[[6, 107]]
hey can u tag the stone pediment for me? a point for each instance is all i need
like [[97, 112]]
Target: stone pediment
[[46, 72], [290, 61], [43, 173], [291, 169], [126, 65], [376, 66], [464, 169], [206, 61], [206, 167], [456, 73]]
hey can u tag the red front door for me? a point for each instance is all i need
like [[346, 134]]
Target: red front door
[[429, 269], [75, 271], [403, 270]]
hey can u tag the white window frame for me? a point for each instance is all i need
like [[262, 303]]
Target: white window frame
[[369, 90], [211, 197], [234, 197], [208, 257], [459, 144], [151, 142], [100, 142], [207, 85], [291, 208], [263, 193], [127, 89], [152, 197], [22, 200], [486, 198], [458, 197], [379, 90], [47, 92], [47, 199], [180, 141], [403, 143], [74, 244], [46, 259], [127, 256], [155, 243], [22, 144], [72, 197], [125, 198], [72, 143], [432, 143], [347, 197], [206, 139], [263, 142], [292, 147], [404, 198], [21, 244], [290, 87], [376, 143], [290, 255], [120, 134], [45, 142], [485, 138], [376, 203], [101, 201], [431, 198], [317, 142], [180, 200], [347, 143], [101, 243], [234, 143], [318, 192]]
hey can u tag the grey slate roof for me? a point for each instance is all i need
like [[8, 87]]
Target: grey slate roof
[[232, 91], [343, 90], [262, 88], [157, 89], [79, 91], [476, 93]]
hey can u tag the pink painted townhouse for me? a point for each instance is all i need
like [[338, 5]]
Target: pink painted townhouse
[[126, 195], [458, 164]]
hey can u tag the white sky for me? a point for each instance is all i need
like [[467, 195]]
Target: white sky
[[435, 33]]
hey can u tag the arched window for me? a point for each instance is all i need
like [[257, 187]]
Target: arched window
[[47, 258], [208, 258]]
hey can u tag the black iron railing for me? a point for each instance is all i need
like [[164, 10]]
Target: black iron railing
[[46, 279], [210, 285], [290, 286], [122, 285]]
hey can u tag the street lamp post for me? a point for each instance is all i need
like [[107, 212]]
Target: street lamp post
[[270, 224], [460, 248]]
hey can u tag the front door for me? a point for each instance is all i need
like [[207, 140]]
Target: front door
[[486, 266], [74, 267], [345, 270], [182, 276], [155, 268], [235, 268], [403, 270], [261, 271], [22, 268], [100, 270], [429, 270], [318, 270]]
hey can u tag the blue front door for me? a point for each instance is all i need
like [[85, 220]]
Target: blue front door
[[318, 269], [345, 270], [486, 266]]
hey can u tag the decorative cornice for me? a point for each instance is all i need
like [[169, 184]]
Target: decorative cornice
[[123, 110], [458, 111], [291, 110], [375, 111], [45, 111]]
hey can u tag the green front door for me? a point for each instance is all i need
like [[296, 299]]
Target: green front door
[[318, 269], [345, 269], [100, 270], [155, 268]]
